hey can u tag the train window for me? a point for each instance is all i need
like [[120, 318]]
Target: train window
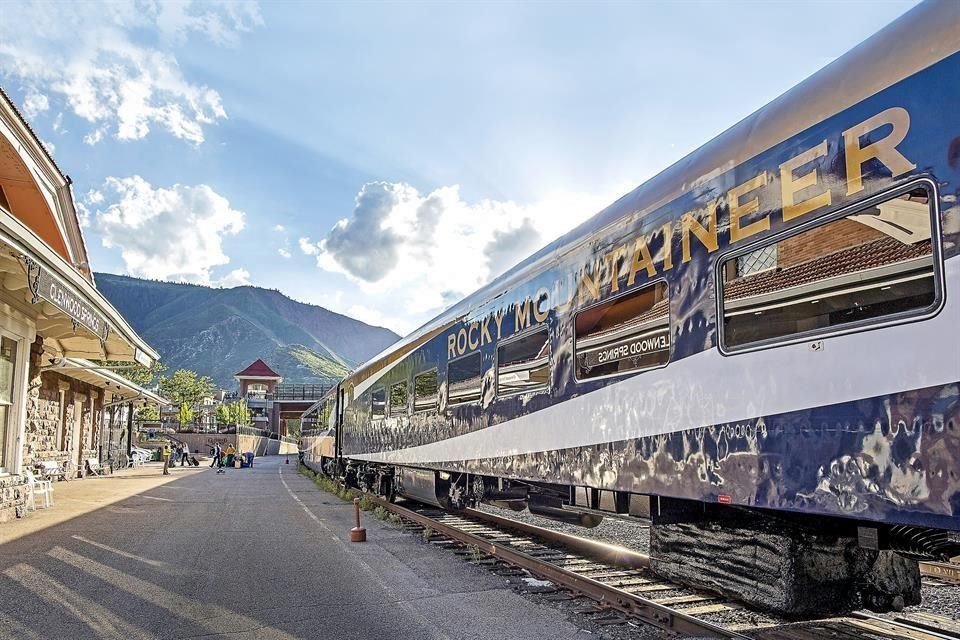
[[463, 379], [523, 364], [378, 402], [628, 333], [398, 399], [425, 391], [875, 263]]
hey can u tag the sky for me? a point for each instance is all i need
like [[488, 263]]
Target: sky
[[383, 160]]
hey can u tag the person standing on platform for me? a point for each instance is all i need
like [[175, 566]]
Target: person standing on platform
[[184, 454]]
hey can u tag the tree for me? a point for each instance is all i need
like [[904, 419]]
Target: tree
[[185, 386], [239, 413], [148, 413], [223, 414], [135, 373], [185, 415]]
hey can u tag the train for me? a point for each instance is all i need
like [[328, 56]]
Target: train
[[770, 324]]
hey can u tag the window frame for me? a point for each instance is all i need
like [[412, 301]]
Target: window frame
[[436, 376], [903, 317], [479, 356], [526, 333], [11, 461], [403, 409], [650, 283]]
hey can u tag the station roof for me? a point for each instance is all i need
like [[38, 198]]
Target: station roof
[[258, 369], [104, 378]]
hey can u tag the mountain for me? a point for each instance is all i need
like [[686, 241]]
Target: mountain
[[218, 332]]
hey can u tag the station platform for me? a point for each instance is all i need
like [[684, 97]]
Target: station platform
[[250, 553]]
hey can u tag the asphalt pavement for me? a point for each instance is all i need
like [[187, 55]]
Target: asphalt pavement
[[250, 553]]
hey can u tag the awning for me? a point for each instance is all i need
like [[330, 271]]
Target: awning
[[118, 386], [75, 320]]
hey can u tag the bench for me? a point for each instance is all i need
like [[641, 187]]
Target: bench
[[93, 467], [50, 469]]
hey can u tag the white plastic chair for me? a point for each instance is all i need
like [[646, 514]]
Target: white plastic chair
[[43, 488]]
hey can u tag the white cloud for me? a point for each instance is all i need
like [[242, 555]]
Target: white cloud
[[34, 103], [435, 247], [167, 234], [308, 247], [236, 278], [284, 253], [50, 147], [89, 61], [279, 228]]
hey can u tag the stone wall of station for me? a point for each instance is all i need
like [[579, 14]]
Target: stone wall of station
[[62, 418]]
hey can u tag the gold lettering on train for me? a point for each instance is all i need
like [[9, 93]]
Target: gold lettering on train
[[706, 235], [521, 318], [498, 318], [588, 287], [614, 259], [641, 260], [477, 333], [884, 149], [538, 314], [667, 247], [485, 331], [791, 184], [740, 210], [801, 192], [474, 343]]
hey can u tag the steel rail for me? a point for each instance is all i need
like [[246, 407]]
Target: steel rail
[[609, 553], [646, 610], [946, 571], [906, 625]]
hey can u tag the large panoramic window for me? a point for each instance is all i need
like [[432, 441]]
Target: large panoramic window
[[378, 402], [257, 390], [523, 364], [398, 399], [425, 391], [873, 264], [463, 379], [8, 377], [626, 334]]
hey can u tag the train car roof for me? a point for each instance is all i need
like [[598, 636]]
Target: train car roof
[[921, 37]]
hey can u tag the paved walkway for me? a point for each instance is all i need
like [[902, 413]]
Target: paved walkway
[[252, 553]]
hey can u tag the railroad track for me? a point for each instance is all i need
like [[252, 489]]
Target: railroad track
[[940, 573], [619, 581]]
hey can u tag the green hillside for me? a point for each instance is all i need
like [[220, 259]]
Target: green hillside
[[218, 332]]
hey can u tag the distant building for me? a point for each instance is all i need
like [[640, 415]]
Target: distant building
[[274, 405]]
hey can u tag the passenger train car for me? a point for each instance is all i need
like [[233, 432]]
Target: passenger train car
[[772, 322]]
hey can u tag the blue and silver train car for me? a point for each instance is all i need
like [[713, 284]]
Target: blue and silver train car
[[772, 322]]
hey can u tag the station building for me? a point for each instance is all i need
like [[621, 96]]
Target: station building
[[273, 404], [55, 404]]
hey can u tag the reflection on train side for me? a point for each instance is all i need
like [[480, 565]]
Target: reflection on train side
[[629, 333], [463, 379], [523, 364], [425, 391], [873, 263]]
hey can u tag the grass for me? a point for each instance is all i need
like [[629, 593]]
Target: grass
[[327, 484], [366, 504]]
